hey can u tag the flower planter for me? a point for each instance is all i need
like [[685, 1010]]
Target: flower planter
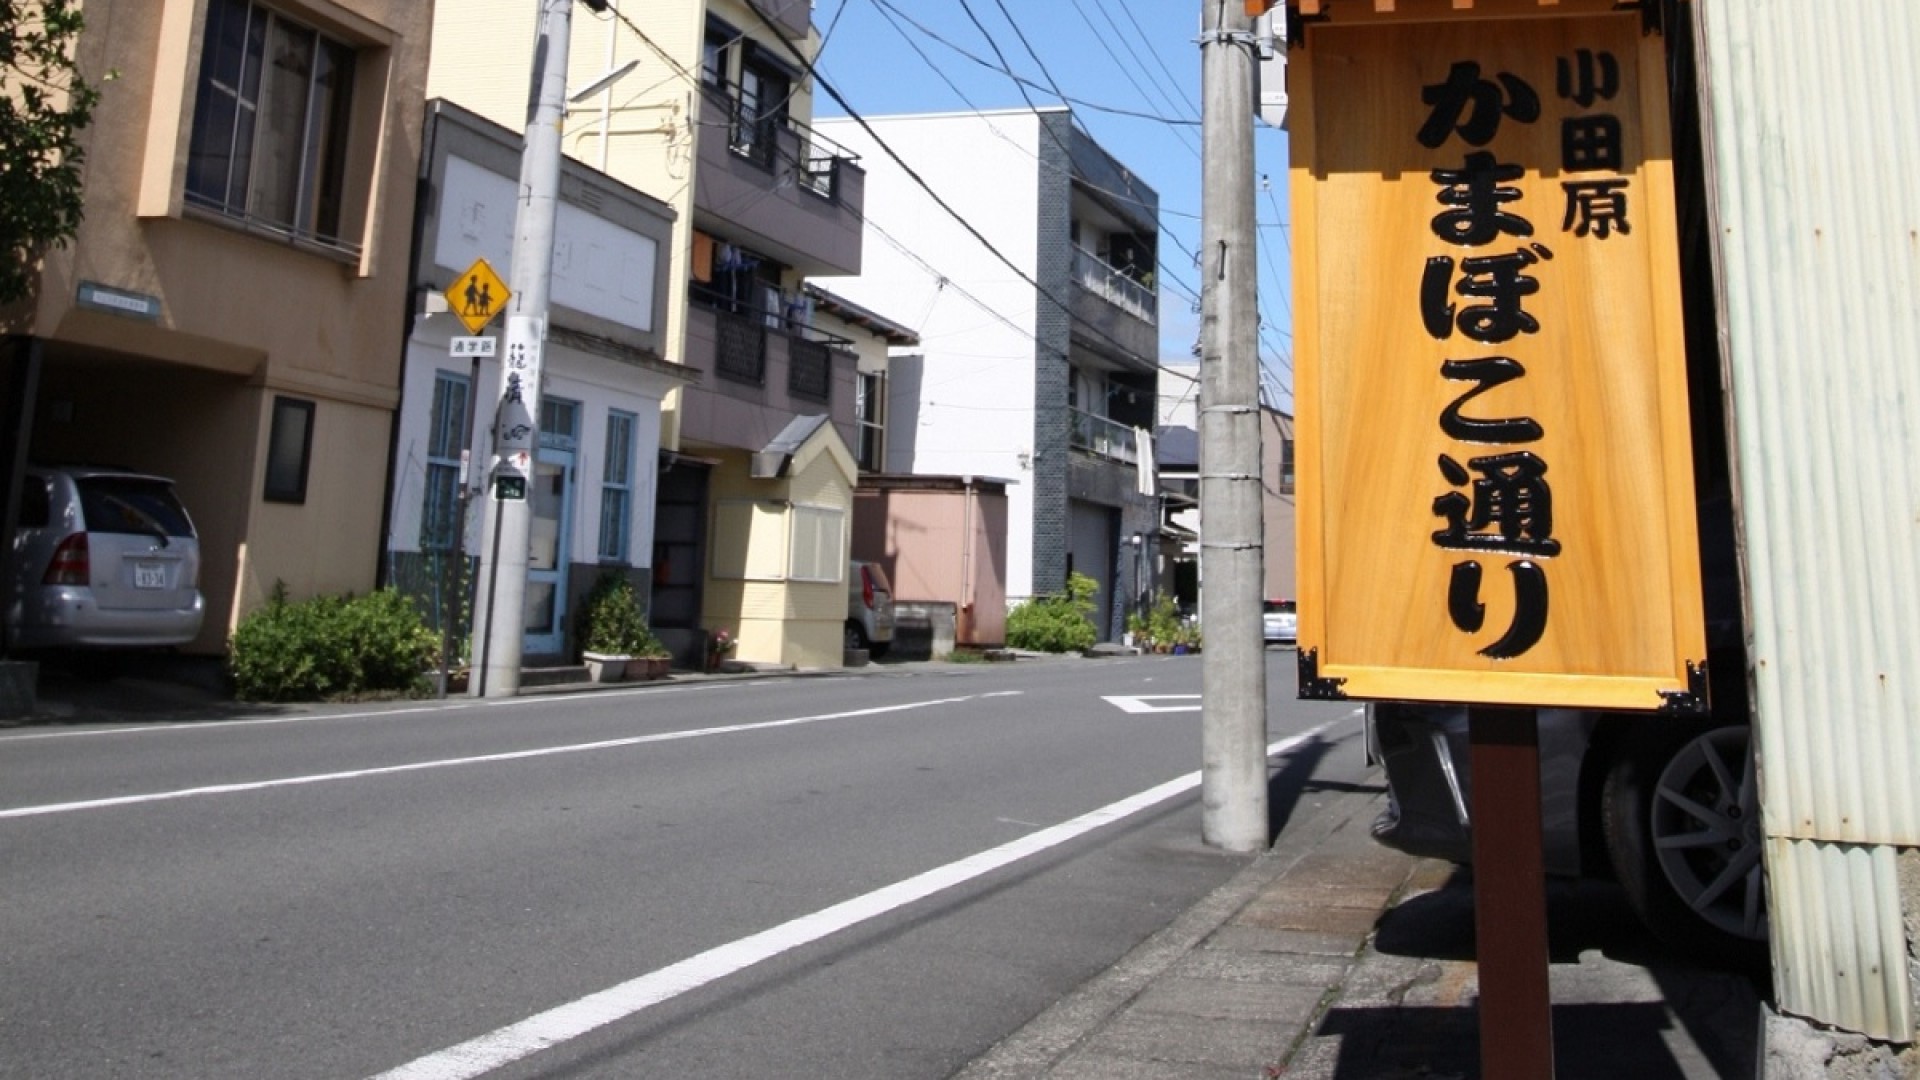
[[605, 668], [648, 668]]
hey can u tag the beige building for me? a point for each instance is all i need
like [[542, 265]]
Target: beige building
[[228, 314], [711, 118]]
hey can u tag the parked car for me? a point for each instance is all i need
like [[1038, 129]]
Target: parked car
[[1280, 623], [1669, 807], [103, 557], [869, 608]]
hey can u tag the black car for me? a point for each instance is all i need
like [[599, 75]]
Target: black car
[[1669, 807]]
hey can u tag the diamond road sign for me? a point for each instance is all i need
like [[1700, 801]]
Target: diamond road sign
[[476, 296]]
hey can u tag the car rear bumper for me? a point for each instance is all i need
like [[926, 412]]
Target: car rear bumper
[[59, 617]]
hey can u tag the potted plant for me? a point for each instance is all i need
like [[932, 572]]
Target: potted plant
[[614, 632], [719, 644]]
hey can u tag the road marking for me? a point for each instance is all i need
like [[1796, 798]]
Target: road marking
[[509, 1044], [449, 705], [482, 759], [1139, 703]]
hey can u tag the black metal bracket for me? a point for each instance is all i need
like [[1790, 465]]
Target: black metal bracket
[[1312, 686], [1693, 700]]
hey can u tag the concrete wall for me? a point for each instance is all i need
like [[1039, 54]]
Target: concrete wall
[[974, 414]]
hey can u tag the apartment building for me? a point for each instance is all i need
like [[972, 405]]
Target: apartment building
[[228, 312], [707, 110], [1028, 260]]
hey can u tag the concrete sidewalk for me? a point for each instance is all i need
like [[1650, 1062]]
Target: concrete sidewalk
[[1333, 958]]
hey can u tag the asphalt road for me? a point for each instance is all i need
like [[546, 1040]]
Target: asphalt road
[[874, 876]]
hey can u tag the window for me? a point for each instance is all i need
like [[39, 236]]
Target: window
[[760, 111], [289, 448], [616, 488], [269, 142], [869, 415], [1286, 465], [818, 549], [447, 441], [559, 423], [713, 56]]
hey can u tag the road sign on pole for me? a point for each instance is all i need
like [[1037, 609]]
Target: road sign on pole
[[477, 295]]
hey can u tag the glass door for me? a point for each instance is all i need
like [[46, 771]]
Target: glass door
[[550, 496]]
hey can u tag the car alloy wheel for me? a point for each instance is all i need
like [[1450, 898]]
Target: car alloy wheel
[[1683, 827], [1706, 831]]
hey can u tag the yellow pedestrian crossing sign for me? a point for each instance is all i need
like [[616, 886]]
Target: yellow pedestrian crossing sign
[[476, 296]]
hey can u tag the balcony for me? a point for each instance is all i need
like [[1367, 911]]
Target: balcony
[[793, 17], [1102, 437], [796, 198], [1119, 312], [1093, 274], [763, 372]]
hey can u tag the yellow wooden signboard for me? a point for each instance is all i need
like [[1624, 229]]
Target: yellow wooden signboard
[[478, 295], [1495, 475]]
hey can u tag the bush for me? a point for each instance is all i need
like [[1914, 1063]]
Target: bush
[[331, 647], [612, 622], [1055, 623], [1158, 625]]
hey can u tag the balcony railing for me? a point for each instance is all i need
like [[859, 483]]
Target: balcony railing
[[1099, 277], [741, 330], [1101, 436]]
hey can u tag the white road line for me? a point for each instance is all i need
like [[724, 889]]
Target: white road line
[[448, 763], [509, 1044], [450, 705], [1143, 703]]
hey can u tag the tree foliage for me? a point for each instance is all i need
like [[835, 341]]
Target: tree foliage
[[44, 105]]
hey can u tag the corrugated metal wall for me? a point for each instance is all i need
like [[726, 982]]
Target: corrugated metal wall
[[1812, 117]]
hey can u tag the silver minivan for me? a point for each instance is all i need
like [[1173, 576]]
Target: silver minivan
[[103, 558], [869, 608]]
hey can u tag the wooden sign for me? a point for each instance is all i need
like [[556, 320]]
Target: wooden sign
[[1495, 470]]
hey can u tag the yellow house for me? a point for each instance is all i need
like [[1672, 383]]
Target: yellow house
[[781, 530], [230, 310]]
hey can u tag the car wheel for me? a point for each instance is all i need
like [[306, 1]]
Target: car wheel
[[1682, 819], [856, 637]]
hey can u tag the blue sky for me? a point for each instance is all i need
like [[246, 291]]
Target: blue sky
[[1131, 72]]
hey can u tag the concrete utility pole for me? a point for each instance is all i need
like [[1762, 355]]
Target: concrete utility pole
[[1233, 733], [499, 609]]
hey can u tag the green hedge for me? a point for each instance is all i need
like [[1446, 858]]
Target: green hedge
[[1056, 623], [331, 647]]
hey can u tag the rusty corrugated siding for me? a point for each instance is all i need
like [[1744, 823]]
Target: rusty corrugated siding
[[1813, 124]]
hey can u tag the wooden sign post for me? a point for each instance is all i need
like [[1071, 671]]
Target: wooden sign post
[[1495, 495]]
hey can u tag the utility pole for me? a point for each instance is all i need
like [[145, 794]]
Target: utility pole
[[1233, 733], [499, 610]]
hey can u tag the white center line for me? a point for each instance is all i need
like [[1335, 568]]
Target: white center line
[[449, 763], [496, 1049]]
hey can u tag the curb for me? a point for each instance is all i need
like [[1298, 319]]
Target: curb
[[1081, 1034]]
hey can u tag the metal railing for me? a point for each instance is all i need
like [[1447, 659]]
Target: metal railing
[[1101, 436], [1101, 278]]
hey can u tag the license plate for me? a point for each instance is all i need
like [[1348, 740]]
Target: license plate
[[149, 575]]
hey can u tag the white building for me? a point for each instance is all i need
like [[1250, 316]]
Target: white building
[[1026, 264]]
